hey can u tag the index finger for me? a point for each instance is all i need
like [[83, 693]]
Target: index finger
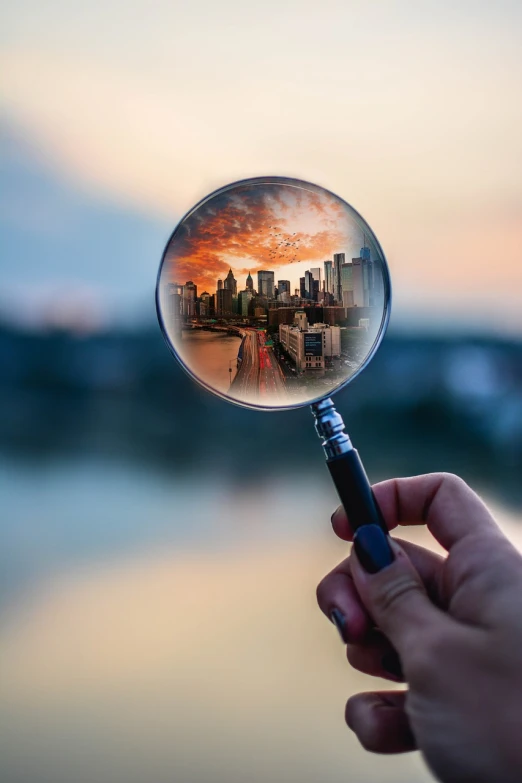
[[442, 501]]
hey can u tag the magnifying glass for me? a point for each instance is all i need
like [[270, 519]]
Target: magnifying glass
[[274, 293]]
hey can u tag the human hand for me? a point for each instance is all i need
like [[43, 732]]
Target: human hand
[[452, 624]]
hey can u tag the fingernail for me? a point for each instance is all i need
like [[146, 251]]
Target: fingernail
[[391, 663], [339, 620], [334, 515], [372, 548]]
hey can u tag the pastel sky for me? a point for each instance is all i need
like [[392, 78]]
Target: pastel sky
[[412, 112]]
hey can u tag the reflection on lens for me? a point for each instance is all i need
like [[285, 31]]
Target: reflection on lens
[[273, 292]]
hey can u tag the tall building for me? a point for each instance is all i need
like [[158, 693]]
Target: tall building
[[230, 283], [359, 292], [328, 277], [265, 284], [347, 285], [338, 260], [283, 286], [204, 305], [309, 285], [302, 288], [189, 295], [173, 293], [249, 283], [243, 301], [224, 303], [316, 274], [219, 285]]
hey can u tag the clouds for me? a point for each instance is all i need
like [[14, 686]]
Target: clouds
[[255, 226]]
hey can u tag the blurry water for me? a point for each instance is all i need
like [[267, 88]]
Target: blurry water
[[211, 355], [159, 553], [163, 629]]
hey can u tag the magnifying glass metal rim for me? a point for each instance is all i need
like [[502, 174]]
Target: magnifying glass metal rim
[[302, 185]]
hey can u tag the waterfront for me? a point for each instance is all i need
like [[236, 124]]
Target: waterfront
[[211, 356]]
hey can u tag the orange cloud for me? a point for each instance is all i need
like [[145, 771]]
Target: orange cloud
[[255, 226]]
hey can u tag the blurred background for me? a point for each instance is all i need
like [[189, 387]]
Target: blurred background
[[160, 548]]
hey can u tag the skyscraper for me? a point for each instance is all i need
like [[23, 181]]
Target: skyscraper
[[173, 292], [224, 307], [189, 294], [243, 299], [204, 305], [338, 260], [328, 277], [347, 285], [359, 298], [219, 285], [309, 285], [283, 286], [265, 284], [249, 283], [302, 288], [230, 283]]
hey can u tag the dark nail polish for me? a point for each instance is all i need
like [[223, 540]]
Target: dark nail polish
[[372, 548], [339, 620], [391, 663]]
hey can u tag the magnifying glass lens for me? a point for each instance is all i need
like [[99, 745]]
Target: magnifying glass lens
[[273, 292]]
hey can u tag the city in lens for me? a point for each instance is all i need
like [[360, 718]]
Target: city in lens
[[272, 294]]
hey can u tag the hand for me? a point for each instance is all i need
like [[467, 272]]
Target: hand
[[451, 627]]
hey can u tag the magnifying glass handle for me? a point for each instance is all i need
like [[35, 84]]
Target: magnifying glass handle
[[346, 468]]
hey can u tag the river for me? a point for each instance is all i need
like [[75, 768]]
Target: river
[[211, 356]]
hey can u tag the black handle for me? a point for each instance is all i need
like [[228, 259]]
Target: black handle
[[354, 489]]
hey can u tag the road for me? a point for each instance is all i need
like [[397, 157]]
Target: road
[[259, 378]]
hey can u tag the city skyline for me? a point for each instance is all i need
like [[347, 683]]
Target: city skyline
[[283, 229], [290, 325]]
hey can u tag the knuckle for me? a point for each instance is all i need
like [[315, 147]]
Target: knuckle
[[452, 481], [389, 596]]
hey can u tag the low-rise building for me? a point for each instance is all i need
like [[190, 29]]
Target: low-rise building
[[309, 346]]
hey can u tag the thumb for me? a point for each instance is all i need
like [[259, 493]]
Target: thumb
[[391, 589]]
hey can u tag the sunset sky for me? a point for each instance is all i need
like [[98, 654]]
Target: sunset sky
[[117, 120], [275, 227]]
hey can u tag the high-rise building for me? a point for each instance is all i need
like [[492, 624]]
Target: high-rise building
[[173, 293], [219, 285], [347, 285], [316, 274], [365, 253], [309, 285], [359, 298], [230, 283], [204, 305], [265, 284], [328, 277], [302, 288], [338, 260], [283, 286], [224, 304], [189, 295], [243, 300], [249, 283]]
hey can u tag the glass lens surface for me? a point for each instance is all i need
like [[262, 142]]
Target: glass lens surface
[[273, 292]]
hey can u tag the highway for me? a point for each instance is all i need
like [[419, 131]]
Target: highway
[[259, 378]]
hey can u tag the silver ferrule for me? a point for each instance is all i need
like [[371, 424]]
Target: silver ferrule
[[330, 428]]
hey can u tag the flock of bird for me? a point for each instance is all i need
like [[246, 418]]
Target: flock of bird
[[283, 247]]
